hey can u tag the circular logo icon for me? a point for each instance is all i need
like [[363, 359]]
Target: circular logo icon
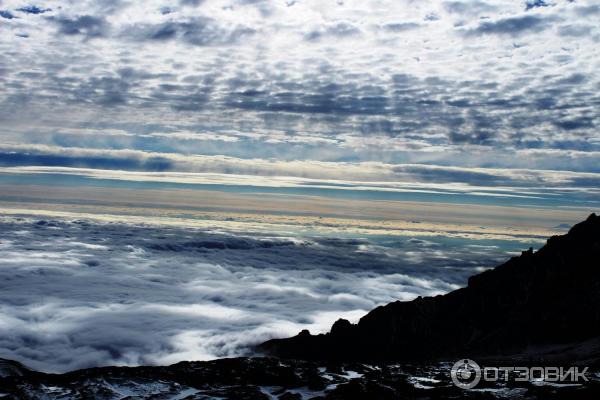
[[465, 374]]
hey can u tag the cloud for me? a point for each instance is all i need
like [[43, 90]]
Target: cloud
[[575, 123], [254, 80], [198, 31], [469, 7], [6, 14], [513, 26], [575, 30], [401, 26], [81, 293], [327, 99], [150, 164], [374, 181], [194, 3], [84, 25], [531, 4], [587, 10], [33, 10], [338, 30]]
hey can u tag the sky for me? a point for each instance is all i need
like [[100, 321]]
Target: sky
[[246, 169], [195, 85]]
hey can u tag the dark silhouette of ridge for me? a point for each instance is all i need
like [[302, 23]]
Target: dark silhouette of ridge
[[542, 303]]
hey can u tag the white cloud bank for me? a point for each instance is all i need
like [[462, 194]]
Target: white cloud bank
[[78, 293]]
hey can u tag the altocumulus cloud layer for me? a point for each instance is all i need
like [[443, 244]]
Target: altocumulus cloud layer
[[469, 83], [78, 293]]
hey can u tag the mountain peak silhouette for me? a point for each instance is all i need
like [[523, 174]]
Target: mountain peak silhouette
[[535, 305]]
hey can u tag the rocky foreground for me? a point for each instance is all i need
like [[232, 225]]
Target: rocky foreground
[[269, 378]]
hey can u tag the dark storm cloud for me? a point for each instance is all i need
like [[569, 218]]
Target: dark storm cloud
[[513, 26], [88, 26]]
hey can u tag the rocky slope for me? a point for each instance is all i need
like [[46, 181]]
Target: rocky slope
[[269, 378], [532, 305]]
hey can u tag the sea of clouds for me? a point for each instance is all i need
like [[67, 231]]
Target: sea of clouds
[[82, 293]]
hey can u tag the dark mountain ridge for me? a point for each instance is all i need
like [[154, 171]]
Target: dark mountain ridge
[[531, 304]]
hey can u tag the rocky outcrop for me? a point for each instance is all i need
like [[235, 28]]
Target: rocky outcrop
[[537, 301], [268, 379]]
